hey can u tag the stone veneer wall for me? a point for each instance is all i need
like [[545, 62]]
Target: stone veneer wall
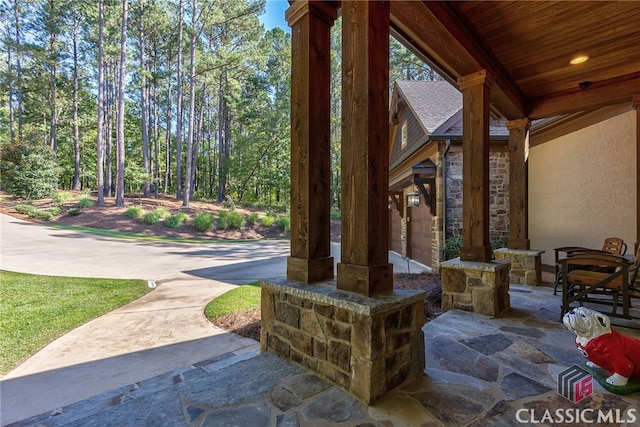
[[498, 195], [367, 346]]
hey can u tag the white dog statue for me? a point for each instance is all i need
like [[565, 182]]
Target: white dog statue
[[604, 347]]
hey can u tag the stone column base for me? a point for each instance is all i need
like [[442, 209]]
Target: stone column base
[[526, 265], [475, 286], [366, 346]]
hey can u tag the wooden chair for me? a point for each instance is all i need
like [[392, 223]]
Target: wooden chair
[[612, 245], [584, 280]]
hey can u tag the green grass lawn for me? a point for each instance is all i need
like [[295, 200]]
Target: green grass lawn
[[242, 298], [36, 310]]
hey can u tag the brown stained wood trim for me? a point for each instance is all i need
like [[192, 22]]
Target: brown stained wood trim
[[596, 95], [636, 103], [475, 171], [518, 185], [455, 25]]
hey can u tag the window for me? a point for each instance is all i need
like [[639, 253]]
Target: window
[[404, 135]]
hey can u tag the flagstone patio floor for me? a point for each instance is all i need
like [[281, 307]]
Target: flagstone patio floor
[[479, 372]]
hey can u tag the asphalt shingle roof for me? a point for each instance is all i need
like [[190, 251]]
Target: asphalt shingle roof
[[433, 102]]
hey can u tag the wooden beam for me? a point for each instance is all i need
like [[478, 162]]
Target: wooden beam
[[475, 167], [438, 36], [518, 185], [594, 95], [365, 267], [310, 259], [636, 104]]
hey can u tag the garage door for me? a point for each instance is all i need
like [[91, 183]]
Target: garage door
[[421, 234]]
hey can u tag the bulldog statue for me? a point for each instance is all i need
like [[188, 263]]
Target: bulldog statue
[[604, 347]]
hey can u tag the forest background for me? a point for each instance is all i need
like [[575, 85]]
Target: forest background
[[183, 97]]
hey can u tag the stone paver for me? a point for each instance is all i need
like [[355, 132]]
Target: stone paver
[[521, 355]]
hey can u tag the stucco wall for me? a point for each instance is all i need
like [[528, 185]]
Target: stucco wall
[[582, 187]]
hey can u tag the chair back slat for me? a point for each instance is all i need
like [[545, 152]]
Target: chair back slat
[[614, 245]]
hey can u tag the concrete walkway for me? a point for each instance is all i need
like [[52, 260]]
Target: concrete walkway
[[159, 333]]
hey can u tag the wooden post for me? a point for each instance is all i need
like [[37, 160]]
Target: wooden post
[[636, 105], [518, 185], [475, 166], [365, 267], [310, 259]]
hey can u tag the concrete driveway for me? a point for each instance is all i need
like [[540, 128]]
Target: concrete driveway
[[162, 331], [158, 333]]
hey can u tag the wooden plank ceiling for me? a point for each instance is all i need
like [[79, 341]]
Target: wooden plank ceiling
[[527, 46]]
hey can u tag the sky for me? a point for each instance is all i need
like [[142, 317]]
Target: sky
[[274, 15]]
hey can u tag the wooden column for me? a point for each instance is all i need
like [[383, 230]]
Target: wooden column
[[475, 166], [636, 105], [310, 259], [518, 185], [365, 267]]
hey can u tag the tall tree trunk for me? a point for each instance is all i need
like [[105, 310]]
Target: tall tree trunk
[[110, 108], [143, 104], [221, 141], [155, 162], [179, 105], [167, 173], [53, 142], [100, 145], [120, 154], [76, 133], [192, 102], [12, 130], [16, 15]]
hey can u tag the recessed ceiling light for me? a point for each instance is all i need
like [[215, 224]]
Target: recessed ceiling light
[[579, 60]]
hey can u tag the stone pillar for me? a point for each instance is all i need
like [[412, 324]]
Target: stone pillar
[[366, 346], [518, 185], [526, 265], [365, 268], [475, 177], [310, 259], [475, 286]]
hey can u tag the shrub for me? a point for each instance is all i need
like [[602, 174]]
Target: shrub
[[29, 170], [252, 218], [335, 214], [223, 220], [175, 221], [229, 203], [24, 209], [235, 221], [451, 248], [203, 221], [54, 210], [162, 212], [150, 218], [284, 223], [268, 220], [134, 212], [40, 214], [61, 197], [74, 211], [84, 202]]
